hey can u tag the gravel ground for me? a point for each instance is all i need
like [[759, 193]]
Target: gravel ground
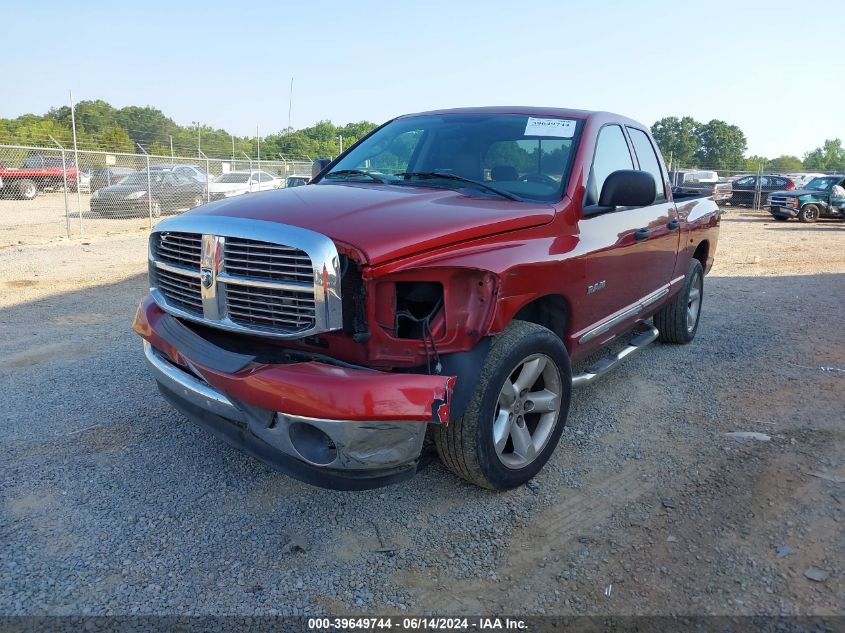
[[114, 504]]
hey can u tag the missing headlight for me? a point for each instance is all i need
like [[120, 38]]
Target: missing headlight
[[417, 302]]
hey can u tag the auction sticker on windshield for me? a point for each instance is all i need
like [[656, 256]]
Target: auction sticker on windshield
[[561, 128]]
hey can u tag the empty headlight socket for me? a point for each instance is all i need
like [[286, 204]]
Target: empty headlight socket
[[416, 302]]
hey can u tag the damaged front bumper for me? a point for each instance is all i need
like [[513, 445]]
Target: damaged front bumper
[[327, 425]]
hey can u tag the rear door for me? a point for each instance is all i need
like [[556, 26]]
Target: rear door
[[664, 235]]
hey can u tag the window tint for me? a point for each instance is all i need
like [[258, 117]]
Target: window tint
[[745, 182], [264, 176], [611, 155], [648, 159]]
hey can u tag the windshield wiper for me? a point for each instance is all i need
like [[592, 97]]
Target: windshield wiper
[[354, 172], [436, 174]]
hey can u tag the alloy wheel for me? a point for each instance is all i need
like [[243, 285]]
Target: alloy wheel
[[527, 411]]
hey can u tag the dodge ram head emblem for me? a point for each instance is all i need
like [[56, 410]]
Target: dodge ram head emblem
[[206, 277]]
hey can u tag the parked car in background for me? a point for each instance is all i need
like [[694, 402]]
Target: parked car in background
[[744, 188], [813, 201], [38, 172], [141, 193], [682, 177], [237, 183], [802, 178], [108, 176], [189, 171], [297, 181], [720, 191]]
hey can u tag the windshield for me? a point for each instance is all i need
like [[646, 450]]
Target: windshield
[[822, 184], [506, 155], [232, 177]]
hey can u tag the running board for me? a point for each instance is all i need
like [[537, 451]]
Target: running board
[[638, 342]]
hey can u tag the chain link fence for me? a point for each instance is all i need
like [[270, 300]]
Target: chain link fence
[[49, 193], [739, 186]]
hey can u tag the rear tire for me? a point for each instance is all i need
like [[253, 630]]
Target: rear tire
[[26, 189], [510, 429], [809, 213], [678, 321]]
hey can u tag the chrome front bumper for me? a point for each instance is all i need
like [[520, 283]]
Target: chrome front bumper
[[341, 449]]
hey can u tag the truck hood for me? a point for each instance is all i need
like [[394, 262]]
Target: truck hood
[[385, 222], [796, 193]]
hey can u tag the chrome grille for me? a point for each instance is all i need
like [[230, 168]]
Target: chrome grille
[[247, 276], [262, 260], [182, 290], [181, 249], [268, 307]]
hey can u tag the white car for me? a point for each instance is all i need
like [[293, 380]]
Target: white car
[[237, 183]]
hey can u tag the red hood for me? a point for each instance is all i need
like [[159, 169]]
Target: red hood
[[385, 222]]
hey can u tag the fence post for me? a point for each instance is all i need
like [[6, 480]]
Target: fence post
[[76, 162], [249, 159], [149, 186], [64, 180], [207, 174]]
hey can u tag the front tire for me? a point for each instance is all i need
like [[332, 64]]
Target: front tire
[[809, 213], [678, 320], [516, 415]]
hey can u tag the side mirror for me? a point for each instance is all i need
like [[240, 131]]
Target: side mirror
[[628, 188], [319, 165]]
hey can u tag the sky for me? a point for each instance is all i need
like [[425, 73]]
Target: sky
[[772, 68]]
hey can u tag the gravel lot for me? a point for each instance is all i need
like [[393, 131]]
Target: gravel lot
[[114, 504]]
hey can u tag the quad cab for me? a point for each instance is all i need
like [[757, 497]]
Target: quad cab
[[440, 279]]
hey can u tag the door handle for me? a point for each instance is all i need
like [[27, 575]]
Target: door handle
[[641, 234], [674, 224]]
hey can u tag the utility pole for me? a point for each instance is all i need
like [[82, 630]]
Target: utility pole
[[290, 102], [171, 147], [199, 138]]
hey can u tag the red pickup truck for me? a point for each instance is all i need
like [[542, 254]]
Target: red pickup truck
[[37, 172], [438, 279]]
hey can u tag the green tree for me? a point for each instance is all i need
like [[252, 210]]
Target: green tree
[[722, 146], [829, 157], [116, 139], [785, 163], [753, 163], [677, 138]]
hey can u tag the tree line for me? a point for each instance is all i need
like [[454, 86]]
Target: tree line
[[100, 126], [722, 146]]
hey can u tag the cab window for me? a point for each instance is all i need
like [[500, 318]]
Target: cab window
[[647, 156], [611, 155]]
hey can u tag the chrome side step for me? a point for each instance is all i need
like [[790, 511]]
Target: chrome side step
[[638, 342]]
